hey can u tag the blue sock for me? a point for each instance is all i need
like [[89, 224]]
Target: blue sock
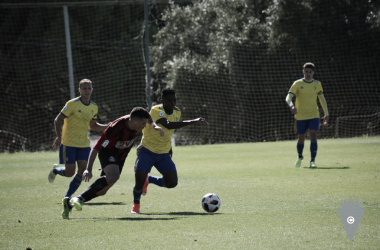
[[300, 149], [313, 149], [74, 185], [60, 171], [136, 196], [159, 181]]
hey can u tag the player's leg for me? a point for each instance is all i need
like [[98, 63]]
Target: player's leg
[[67, 156], [167, 168], [99, 187], [313, 131], [144, 163], [140, 179], [67, 159], [301, 131], [112, 169], [81, 158]]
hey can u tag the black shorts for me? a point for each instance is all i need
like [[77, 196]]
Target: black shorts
[[107, 157]]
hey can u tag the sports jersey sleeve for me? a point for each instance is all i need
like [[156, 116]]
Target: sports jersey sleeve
[[155, 113], [293, 88], [320, 89], [95, 117], [68, 109]]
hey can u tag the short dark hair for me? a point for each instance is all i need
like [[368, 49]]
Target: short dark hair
[[167, 91], [309, 65], [83, 81], [139, 113]]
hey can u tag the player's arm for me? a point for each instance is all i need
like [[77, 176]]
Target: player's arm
[[158, 128], [322, 101], [58, 130], [87, 174], [289, 101], [95, 126], [176, 125]]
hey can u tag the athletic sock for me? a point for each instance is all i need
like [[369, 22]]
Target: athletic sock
[[159, 181], [60, 171], [136, 195], [95, 187], [313, 149], [300, 149], [74, 185]]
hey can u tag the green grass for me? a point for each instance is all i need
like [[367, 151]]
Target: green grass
[[266, 202]]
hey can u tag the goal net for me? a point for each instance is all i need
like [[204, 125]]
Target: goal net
[[231, 62]]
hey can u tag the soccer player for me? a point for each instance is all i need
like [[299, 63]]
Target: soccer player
[[72, 140], [306, 113], [113, 147], [156, 151]]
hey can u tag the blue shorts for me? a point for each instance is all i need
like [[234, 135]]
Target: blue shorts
[[69, 155], [146, 159], [303, 125]]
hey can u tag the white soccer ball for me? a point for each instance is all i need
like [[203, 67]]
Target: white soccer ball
[[211, 202]]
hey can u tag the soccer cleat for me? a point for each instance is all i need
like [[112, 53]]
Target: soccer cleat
[[313, 165], [77, 203], [51, 176], [66, 208], [135, 209], [145, 187], [298, 163]]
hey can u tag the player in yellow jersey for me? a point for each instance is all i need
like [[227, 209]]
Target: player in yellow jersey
[[72, 140], [155, 150], [305, 110]]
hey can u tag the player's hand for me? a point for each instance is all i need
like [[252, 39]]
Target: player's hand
[[325, 120], [200, 120], [158, 128], [56, 143], [293, 110], [87, 175]]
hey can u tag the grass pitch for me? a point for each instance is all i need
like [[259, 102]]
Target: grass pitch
[[266, 202]]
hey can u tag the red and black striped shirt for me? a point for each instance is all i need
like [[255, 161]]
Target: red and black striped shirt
[[118, 137]]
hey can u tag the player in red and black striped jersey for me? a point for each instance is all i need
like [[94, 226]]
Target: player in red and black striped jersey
[[113, 147]]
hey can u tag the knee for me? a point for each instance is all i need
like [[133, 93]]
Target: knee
[[69, 173], [112, 179], [81, 170], [171, 183], [101, 192]]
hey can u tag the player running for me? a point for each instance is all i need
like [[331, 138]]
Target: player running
[[72, 140], [113, 147], [156, 151]]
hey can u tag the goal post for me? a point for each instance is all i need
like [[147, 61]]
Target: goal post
[[231, 62]]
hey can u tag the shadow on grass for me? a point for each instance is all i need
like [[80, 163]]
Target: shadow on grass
[[142, 216], [123, 218], [104, 203], [329, 168], [180, 213]]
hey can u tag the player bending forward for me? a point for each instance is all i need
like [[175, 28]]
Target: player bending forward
[[113, 147], [156, 151]]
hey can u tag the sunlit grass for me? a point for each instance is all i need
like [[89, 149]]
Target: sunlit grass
[[266, 202]]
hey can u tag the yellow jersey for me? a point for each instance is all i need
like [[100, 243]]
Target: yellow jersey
[[152, 140], [306, 98], [76, 124]]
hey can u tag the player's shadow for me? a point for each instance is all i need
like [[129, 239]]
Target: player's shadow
[[125, 218], [105, 203], [322, 168], [181, 213], [176, 216]]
